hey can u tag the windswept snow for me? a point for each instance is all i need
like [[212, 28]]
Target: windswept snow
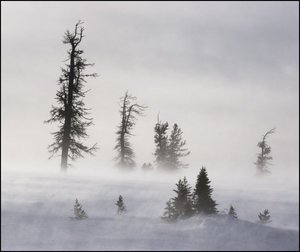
[[36, 211]]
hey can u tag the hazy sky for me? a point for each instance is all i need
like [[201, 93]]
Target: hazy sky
[[226, 72]]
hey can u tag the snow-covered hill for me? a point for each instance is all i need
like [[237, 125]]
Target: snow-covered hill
[[36, 209]]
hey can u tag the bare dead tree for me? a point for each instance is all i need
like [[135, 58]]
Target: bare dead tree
[[129, 112], [71, 113], [264, 156]]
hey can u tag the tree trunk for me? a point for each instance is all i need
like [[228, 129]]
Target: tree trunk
[[66, 142], [68, 115], [123, 130], [262, 157], [64, 158], [122, 149]]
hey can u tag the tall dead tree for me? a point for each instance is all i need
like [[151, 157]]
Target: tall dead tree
[[71, 113], [264, 156], [129, 110]]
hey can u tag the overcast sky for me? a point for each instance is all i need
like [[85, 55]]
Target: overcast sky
[[226, 72]]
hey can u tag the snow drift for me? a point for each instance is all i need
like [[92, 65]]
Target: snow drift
[[36, 211]]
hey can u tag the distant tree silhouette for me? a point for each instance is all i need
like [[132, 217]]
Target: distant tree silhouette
[[144, 166], [176, 149], [232, 212], [181, 206], [147, 167], [161, 142], [203, 202], [71, 113], [79, 213], [264, 217], [129, 111], [264, 156], [169, 150], [121, 206]]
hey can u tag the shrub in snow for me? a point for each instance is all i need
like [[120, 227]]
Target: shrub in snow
[[203, 202], [181, 205], [232, 212], [79, 213], [264, 217], [121, 206]]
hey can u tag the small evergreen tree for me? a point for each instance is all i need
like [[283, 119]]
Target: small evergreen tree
[[181, 206], [203, 202], [232, 212], [264, 156], [176, 149], [121, 206], [79, 213], [264, 217]]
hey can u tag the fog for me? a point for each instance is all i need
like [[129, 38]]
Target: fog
[[225, 72]]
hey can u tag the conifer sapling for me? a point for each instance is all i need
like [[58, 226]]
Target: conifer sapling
[[121, 206], [232, 212], [79, 213], [264, 217]]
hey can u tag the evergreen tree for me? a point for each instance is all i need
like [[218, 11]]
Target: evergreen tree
[[121, 206], [161, 141], [183, 201], [79, 213], [203, 202], [170, 213], [264, 156], [232, 212], [176, 149], [264, 217], [181, 206], [71, 113], [129, 111]]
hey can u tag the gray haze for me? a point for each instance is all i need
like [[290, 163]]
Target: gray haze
[[226, 72]]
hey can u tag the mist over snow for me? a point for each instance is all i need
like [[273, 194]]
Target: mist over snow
[[225, 72], [36, 211]]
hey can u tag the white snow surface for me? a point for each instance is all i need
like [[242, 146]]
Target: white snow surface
[[36, 211]]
